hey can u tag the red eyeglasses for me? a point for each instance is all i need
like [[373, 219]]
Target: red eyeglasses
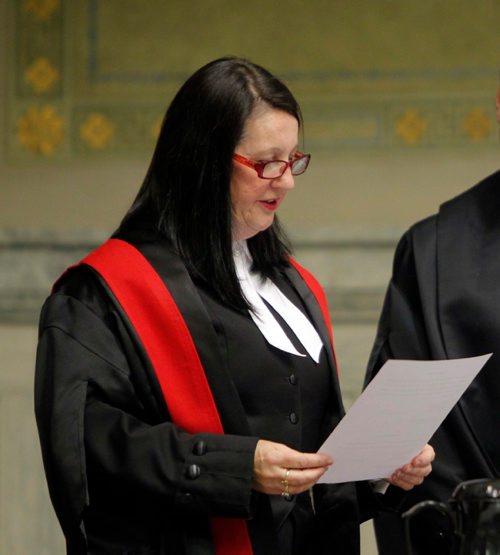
[[273, 169]]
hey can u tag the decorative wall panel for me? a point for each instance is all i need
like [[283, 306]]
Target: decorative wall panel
[[93, 77]]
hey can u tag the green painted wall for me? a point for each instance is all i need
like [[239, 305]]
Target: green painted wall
[[93, 77], [397, 99]]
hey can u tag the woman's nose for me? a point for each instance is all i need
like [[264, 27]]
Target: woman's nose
[[286, 181]]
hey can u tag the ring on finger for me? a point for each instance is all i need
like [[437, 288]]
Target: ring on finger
[[284, 482]]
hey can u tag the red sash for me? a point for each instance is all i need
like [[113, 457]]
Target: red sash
[[165, 336]]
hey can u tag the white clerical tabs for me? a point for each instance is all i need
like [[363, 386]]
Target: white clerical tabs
[[395, 416]]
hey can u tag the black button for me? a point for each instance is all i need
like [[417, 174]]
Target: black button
[[287, 497], [200, 448], [186, 498], [292, 378], [193, 471], [293, 418]]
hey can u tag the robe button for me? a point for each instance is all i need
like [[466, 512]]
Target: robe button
[[293, 417], [186, 498], [200, 448], [193, 471], [292, 378]]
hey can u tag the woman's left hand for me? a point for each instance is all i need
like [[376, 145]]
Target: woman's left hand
[[413, 473]]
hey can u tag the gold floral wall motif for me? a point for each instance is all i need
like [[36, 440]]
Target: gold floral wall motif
[[477, 124], [411, 127], [97, 131], [125, 60], [41, 9], [156, 127], [41, 75], [40, 130]]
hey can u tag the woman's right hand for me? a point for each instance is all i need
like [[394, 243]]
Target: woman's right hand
[[272, 460]]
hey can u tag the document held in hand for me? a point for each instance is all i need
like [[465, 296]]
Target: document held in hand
[[395, 416]]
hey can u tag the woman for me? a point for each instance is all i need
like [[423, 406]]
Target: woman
[[178, 412]]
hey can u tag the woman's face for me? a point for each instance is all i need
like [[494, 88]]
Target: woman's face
[[269, 134]]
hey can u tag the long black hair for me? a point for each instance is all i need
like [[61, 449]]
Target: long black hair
[[187, 186]]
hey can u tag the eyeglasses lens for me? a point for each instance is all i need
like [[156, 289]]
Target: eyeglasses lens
[[300, 165], [273, 169]]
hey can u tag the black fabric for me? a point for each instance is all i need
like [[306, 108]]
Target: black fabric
[[442, 302], [122, 476], [261, 374]]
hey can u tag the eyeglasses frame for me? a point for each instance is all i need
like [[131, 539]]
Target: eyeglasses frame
[[259, 166]]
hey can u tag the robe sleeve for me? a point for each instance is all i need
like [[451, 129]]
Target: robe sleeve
[[100, 442], [401, 330], [409, 329], [401, 333]]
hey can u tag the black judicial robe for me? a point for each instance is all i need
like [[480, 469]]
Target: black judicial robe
[[443, 302], [118, 469]]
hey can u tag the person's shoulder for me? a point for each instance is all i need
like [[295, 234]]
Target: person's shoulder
[[77, 294], [423, 228], [479, 194], [80, 282], [419, 235]]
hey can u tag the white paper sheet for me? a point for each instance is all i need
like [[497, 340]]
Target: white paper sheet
[[396, 416]]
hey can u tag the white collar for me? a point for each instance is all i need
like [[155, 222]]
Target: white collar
[[255, 288]]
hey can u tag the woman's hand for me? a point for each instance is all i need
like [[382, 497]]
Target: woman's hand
[[273, 460], [413, 473]]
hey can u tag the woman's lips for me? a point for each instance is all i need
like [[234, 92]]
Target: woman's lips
[[271, 204]]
